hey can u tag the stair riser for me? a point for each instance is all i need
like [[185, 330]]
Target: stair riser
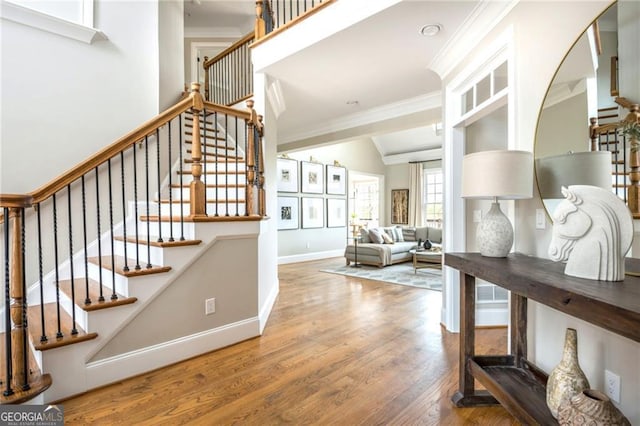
[[212, 179], [154, 229], [211, 209], [122, 285], [156, 252], [211, 193]]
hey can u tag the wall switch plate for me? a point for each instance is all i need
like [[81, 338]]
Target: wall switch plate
[[612, 385], [210, 306], [541, 220], [477, 216]]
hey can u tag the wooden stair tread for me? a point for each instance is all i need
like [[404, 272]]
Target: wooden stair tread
[[210, 185], [208, 127], [609, 142], [132, 272], [220, 218], [617, 162], [202, 131], [154, 241], [213, 172], [211, 145], [219, 159], [94, 295], [51, 328], [620, 173], [39, 382], [214, 154]]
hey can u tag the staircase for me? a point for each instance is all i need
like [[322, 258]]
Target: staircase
[[183, 183]]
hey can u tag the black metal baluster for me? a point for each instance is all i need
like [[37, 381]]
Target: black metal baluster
[[125, 268], [25, 354], [135, 207], [59, 334], [204, 156], [101, 297], [181, 135], [7, 303], [43, 336], [159, 197], [216, 175], [74, 330], [226, 166], [114, 296], [171, 239], [246, 181], [238, 159], [146, 171], [624, 168], [87, 299]]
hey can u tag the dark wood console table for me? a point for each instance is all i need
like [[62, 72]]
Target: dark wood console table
[[510, 379]]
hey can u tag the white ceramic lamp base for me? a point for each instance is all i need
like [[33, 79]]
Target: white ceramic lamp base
[[495, 233]]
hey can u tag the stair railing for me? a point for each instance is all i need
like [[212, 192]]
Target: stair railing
[[625, 153], [273, 16], [114, 196]]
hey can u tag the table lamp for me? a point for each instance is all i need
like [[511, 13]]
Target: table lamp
[[497, 175]]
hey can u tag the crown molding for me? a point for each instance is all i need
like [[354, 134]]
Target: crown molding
[[563, 91], [484, 17], [52, 24], [373, 115]]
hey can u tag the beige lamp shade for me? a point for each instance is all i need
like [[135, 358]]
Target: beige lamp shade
[[577, 168], [506, 175]]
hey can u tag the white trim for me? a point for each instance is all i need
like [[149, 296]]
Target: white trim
[[42, 21], [424, 155], [87, 13], [283, 260], [393, 110], [266, 309], [121, 366]]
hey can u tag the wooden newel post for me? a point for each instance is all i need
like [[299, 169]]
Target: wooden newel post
[[251, 161], [633, 196], [18, 306], [206, 79], [260, 29], [262, 197], [197, 196], [593, 134]]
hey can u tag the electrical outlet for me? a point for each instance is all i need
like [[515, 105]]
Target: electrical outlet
[[210, 306], [477, 216], [308, 245], [541, 220], [612, 385]]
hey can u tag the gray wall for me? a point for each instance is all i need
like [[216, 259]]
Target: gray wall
[[563, 127], [358, 155], [179, 310]]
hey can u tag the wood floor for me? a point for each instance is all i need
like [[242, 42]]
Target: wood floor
[[336, 351]]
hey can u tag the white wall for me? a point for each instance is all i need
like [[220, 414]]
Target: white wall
[[539, 50], [63, 100], [171, 52], [396, 177]]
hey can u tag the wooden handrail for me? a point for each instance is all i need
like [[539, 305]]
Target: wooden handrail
[[228, 50], [16, 200], [211, 107]]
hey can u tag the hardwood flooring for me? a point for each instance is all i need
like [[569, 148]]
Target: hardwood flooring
[[336, 351]]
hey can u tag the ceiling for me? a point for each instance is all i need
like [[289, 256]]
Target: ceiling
[[357, 75]]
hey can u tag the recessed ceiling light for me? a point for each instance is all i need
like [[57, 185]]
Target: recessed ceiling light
[[430, 30]]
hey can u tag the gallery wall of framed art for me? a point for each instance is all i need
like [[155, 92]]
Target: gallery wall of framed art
[[311, 195]]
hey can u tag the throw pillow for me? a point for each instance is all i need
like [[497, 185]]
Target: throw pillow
[[376, 236], [364, 236], [387, 239], [397, 233], [409, 234]]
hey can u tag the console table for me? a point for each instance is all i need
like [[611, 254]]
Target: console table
[[510, 379]]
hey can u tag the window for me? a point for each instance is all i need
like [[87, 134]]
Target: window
[[365, 200], [432, 198]]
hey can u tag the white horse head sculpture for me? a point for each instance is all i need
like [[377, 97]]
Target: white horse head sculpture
[[592, 232]]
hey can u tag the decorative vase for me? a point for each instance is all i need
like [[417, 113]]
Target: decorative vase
[[590, 407], [567, 379]]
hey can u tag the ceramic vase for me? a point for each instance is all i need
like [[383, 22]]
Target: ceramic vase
[[590, 407], [567, 379]]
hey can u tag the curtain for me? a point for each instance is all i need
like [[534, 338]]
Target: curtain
[[416, 183]]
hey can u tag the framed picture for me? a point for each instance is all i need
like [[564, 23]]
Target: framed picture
[[312, 212], [287, 175], [336, 180], [336, 213], [288, 215], [312, 177], [400, 206]]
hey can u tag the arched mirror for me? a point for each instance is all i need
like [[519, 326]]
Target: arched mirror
[[601, 67]]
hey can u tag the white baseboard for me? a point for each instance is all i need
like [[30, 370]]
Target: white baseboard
[[119, 367], [282, 260], [265, 311]]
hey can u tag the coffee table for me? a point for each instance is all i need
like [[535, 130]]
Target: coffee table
[[426, 259]]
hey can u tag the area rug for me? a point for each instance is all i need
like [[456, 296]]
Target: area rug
[[402, 274]]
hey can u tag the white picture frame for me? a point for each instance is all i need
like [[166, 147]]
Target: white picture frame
[[288, 213], [336, 212], [312, 177], [312, 212], [287, 175], [336, 180]]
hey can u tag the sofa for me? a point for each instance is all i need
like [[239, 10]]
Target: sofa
[[394, 248]]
